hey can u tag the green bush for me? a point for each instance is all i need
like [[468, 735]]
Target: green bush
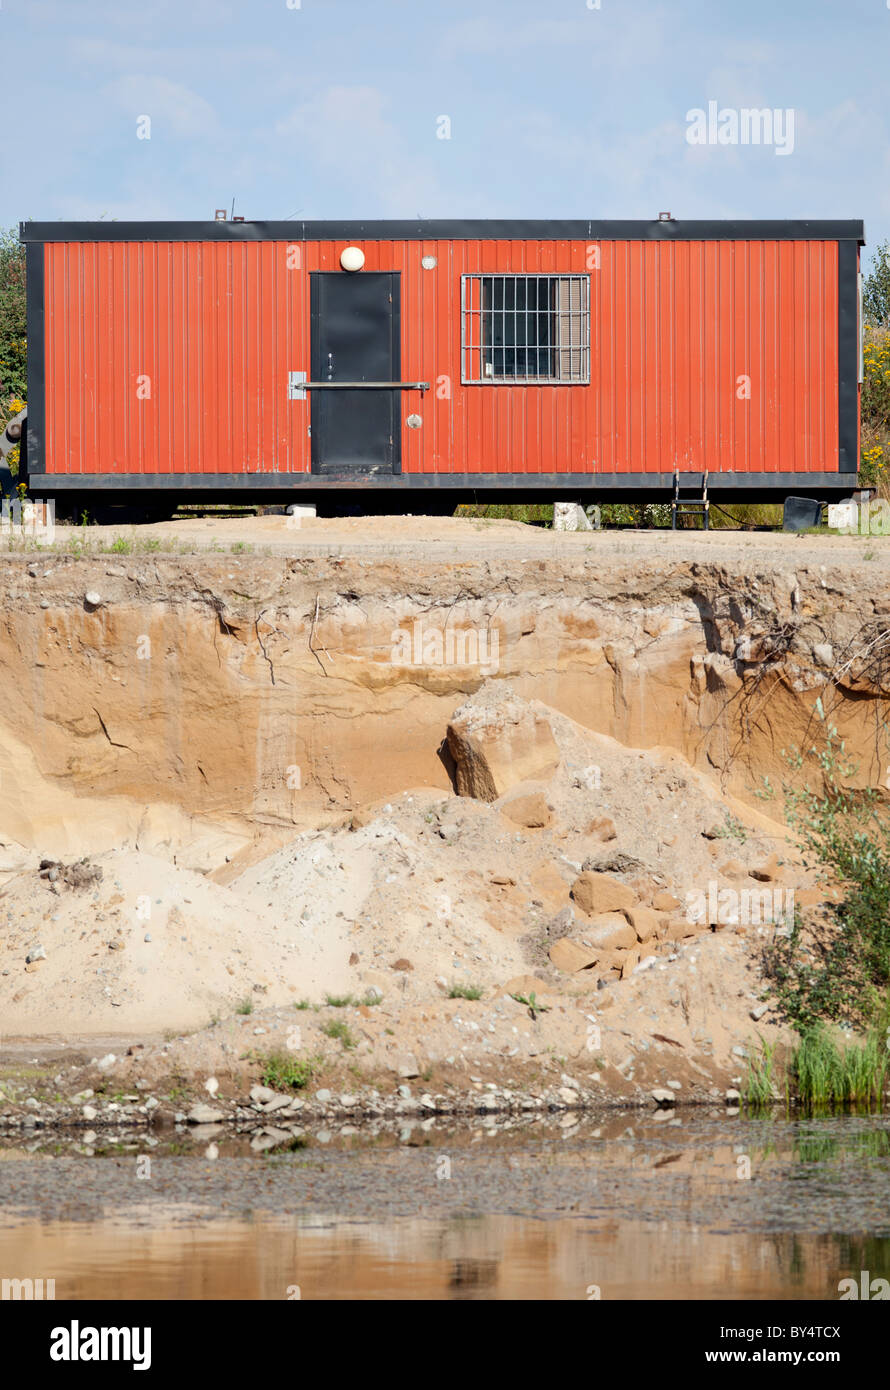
[[843, 974], [13, 346]]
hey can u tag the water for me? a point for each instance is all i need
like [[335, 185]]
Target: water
[[630, 1207]]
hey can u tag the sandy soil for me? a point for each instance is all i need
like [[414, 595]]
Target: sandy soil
[[374, 925], [464, 536]]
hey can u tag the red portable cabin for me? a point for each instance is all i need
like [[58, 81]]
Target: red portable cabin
[[591, 360]]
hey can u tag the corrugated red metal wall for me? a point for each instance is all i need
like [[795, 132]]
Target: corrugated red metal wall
[[173, 357]]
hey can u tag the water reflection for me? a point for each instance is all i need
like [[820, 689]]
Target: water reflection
[[700, 1208]]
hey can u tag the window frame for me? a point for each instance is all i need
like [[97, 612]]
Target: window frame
[[468, 348]]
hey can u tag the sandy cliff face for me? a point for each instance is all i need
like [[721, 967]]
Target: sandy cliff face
[[228, 696]]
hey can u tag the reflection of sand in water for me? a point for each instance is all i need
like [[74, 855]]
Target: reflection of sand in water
[[492, 1257]]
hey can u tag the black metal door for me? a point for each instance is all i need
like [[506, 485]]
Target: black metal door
[[355, 337]]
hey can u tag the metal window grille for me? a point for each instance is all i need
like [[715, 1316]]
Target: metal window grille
[[525, 329]]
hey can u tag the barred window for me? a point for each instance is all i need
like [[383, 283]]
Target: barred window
[[525, 328]]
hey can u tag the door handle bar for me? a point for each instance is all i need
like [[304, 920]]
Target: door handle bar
[[364, 385]]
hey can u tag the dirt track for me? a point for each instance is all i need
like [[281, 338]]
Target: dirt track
[[458, 538]]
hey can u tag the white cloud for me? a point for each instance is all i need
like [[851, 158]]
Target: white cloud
[[173, 108]]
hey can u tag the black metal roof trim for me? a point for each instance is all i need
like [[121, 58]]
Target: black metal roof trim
[[493, 230]]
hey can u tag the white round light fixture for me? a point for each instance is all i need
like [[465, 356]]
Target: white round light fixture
[[352, 258]]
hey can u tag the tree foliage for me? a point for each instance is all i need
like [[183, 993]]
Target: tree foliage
[[13, 350], [876, 289]]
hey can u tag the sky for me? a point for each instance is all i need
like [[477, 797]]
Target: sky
[[337, 109]]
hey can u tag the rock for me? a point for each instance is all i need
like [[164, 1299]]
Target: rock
[[562, 923], [571, 955], [261, 1095], [528, 809], [211, 1085], [36, 952], [407, 1066], [276, 1103], [92, 599], [612, 864], [666, 902], [82, 1097], [824, 653], [402, 964], [496, 746], [89, 1137], [740, 1052], [570, 516], [201, 1114], [757, 1014], [89, 1112], [663, 1097], [679, 929], [323, 1096], [107, 1062], [644, 921], [603, 829], [608, 931], [568, 1096], [597, 892], [732, 1096], [629, 964]]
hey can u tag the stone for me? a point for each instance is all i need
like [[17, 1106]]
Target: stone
[[402, 964], [733, 1096], [665, 902], [663, 1097], [596, 892], [498, 745], [608, 931], [211, 1085], [89, 1112], [323, 1096], [568, 1096], [528, 809], [407, 1066], [572, 956], [107, 1062], [824, 653], [92, 599], [261, 1095], [562, 923], [678, 929], [276, 1103], [602, 828], [201, 1114], [757, 1014], [644, 921], [570, 516], [629, 964], [36, 952]]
